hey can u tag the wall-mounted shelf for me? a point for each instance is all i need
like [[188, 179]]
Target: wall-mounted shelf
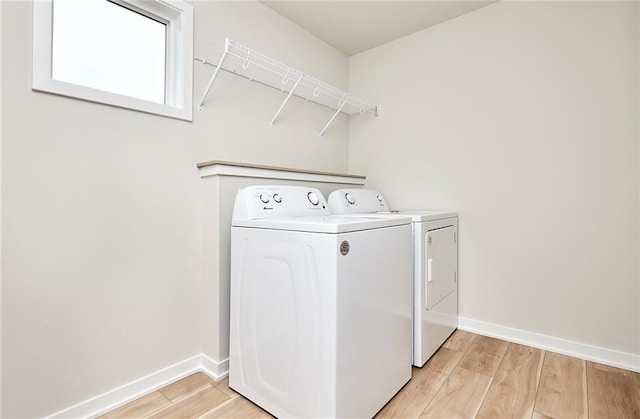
[[246, 62]]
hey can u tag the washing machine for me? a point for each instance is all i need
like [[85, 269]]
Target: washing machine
[[321, 305], [435, 265]]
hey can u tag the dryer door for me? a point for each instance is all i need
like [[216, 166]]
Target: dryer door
[[440, 265]]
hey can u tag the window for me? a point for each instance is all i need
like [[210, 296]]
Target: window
[[129, 60], [135, 54]]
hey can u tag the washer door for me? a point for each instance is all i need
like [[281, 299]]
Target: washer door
[[440, 265]]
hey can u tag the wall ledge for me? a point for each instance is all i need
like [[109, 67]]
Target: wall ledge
[[226, 168], [611, 357]]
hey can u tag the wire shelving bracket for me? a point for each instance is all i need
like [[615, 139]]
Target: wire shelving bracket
[[246, 62]]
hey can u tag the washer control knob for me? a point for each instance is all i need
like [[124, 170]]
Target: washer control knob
[[313, 198], [349, 197], [277, 198], [264, 197], [379, 198]]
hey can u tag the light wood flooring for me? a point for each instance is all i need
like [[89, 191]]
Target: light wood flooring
[[471, 376]]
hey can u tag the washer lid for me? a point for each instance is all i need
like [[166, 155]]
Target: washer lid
[[323, 224]]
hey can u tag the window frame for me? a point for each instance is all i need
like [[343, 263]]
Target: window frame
[[178, 66]]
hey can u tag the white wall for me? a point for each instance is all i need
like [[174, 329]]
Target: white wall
[[102, 208], [522, 116]]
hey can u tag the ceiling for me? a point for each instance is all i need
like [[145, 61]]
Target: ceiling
[[356, 26]]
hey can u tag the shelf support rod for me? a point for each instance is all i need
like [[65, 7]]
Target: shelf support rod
[[286, 100], [215, 74], [344, 102]]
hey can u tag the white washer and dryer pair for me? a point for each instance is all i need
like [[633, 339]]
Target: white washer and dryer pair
[[321, 305], [435, 265]]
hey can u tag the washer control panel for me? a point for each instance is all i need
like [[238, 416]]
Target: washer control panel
[[273, 201], [345, 201]]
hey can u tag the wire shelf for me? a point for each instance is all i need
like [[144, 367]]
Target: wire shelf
[[246, 62]]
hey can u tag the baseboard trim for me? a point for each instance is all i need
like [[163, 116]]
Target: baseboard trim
[[215, 369], [625, 360], [126, 393]]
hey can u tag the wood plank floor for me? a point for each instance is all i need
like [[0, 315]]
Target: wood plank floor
[[471, 376]]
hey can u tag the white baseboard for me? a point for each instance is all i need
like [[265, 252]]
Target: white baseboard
[[598, 354], [117, 397], [214, 369]]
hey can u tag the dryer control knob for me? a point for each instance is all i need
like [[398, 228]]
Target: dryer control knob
[[313, 198], [379, 198], [264, 197], [350, 199], [277, 198]]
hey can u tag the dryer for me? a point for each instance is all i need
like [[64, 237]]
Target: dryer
[[435, 265], [320, 305]]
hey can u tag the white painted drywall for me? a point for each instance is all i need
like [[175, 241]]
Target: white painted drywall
[[522, 116], [102, 208]]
